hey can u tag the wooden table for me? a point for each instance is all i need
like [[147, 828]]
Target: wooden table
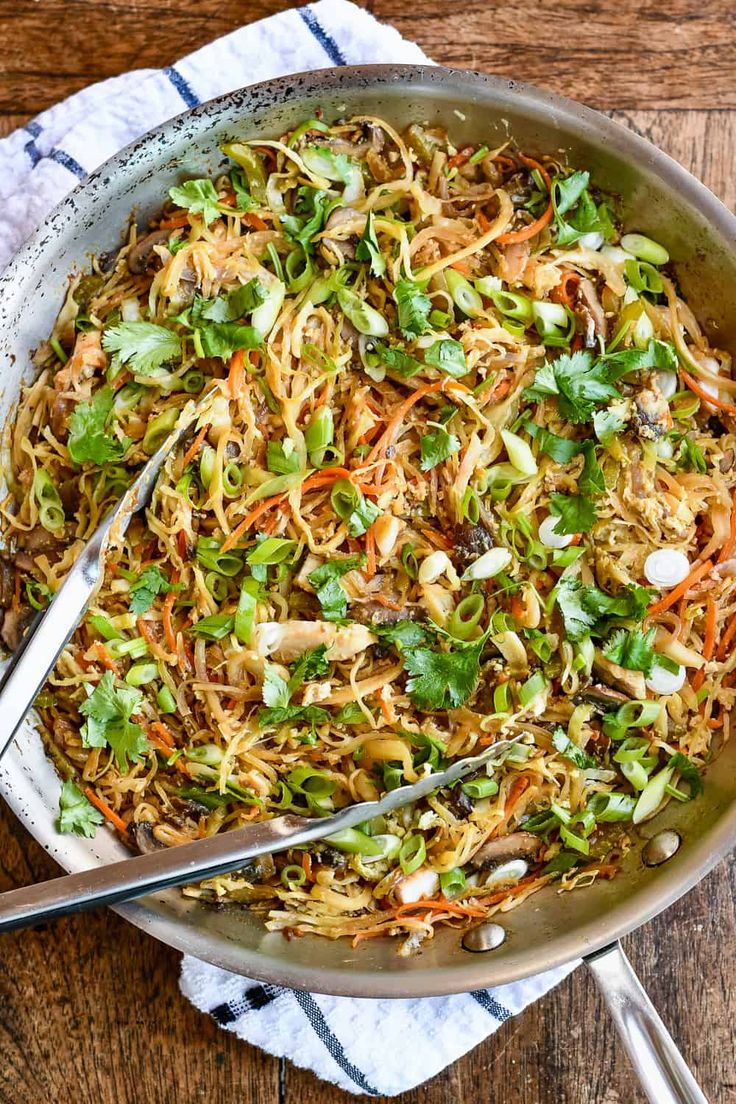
[[90, 1011]]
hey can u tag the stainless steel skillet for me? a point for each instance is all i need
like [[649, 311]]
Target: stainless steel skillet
[[671, 206]]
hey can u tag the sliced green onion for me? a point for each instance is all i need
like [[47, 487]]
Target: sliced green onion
[[644, 249], [573, 841], [466, 616], [127, 397], [363, 316], [633, 714], [224, 563], [134, 649], [464, 295], [50, 509], [452, 883], [520, 453], [245, 615], [158, 429], [299, 270], [610, 807], [232, 479], [192, 381], [293, 875], [105, 628], [470, 506], [208, 754], [512, 305], [352, 508], [488, 285], [355, 842], [409, 561], [480, 787], [217, 585], [215, 627], [140, 674], [555, 323], [207, 461], [166, 701], [252, 165], [304, 128], [635, 775], [653, 795], [476, 157], [643, 277], [319, 438], [501, 700], [273, 550], [532, 688], [56, 346], [412, 853]]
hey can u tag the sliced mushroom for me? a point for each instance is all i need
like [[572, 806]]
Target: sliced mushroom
[[590, 309], [7, 582], [342, 249], [631, 683], [373, 613], [15, 623], [517, 845], [727, 461], [144, 839], [602, 698], [39, 539], [142, 258], [471, 541]]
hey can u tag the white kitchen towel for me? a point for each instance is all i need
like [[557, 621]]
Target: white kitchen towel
[[375, 1047]]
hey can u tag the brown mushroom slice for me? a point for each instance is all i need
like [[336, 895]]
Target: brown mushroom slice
[[14, 625], [342, 249], [142, 258], [603, 698], [631, 683], [517, 845], [590, 309]]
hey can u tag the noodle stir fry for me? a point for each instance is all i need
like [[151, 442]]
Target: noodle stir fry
[[463, 468]]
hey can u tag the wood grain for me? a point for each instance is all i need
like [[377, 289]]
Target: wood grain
[[90, 1010]]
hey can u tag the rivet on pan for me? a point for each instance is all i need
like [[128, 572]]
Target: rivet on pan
[[660, 848], [486, 937]]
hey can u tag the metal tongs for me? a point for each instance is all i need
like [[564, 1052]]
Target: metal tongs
[[122, 881]]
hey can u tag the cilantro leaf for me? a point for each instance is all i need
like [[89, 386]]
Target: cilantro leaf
[[592, 481], [586, 609], [437, 447], [243, 199], [570, 196], [236, 304], [569, 750], [561, 449], [151, 582], [690, 457], [76, 813], [442, 680], [214, 627], [577, 513], [567, 190], [367, 248], [398, 360], [310, 665], [608, 424], [413, 308], [688, 772], [275, 690], [310, 209], [633, 649], [197, 196], [326, 581], [312, 714], [448, 356], [143, 346], [108, 710], [88, 440], [404, 634], [221, 339]]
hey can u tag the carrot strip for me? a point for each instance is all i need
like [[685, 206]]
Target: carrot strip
[[307, 866], [370, 551], [164, 735], [105, 658], [515, 236], [439, 904], [105, 809], [681, 589], [236, 375], [709, 640], [254, 221], [360, 936], [175, 222], [196, 444], [169, 633], [561, 294], [726, 639], [249, 519], [120, 379], [391, 429], [386, 602], [145, 631], [731, 539], [435, 538], [460, 158], [482, 221], [729, 408]]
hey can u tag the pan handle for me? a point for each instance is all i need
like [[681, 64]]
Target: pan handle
[[662, 1072]]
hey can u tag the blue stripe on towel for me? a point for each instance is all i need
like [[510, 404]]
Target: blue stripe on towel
[[325, 40], [322, 1029], [182, 86], [67, 161], [485, 1000]]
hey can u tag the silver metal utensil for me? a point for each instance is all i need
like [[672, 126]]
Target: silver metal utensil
[[45, 639], [192, 862]]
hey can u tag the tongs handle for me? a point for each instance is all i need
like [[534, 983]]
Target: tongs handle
[[41, 647]]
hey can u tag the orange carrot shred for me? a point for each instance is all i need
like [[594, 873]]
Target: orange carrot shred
[[105, 809], [516, 236], [236, 375], [105, 658], [196, 444], [681, 589], [709, 639], [370, 551], [695, 387]]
